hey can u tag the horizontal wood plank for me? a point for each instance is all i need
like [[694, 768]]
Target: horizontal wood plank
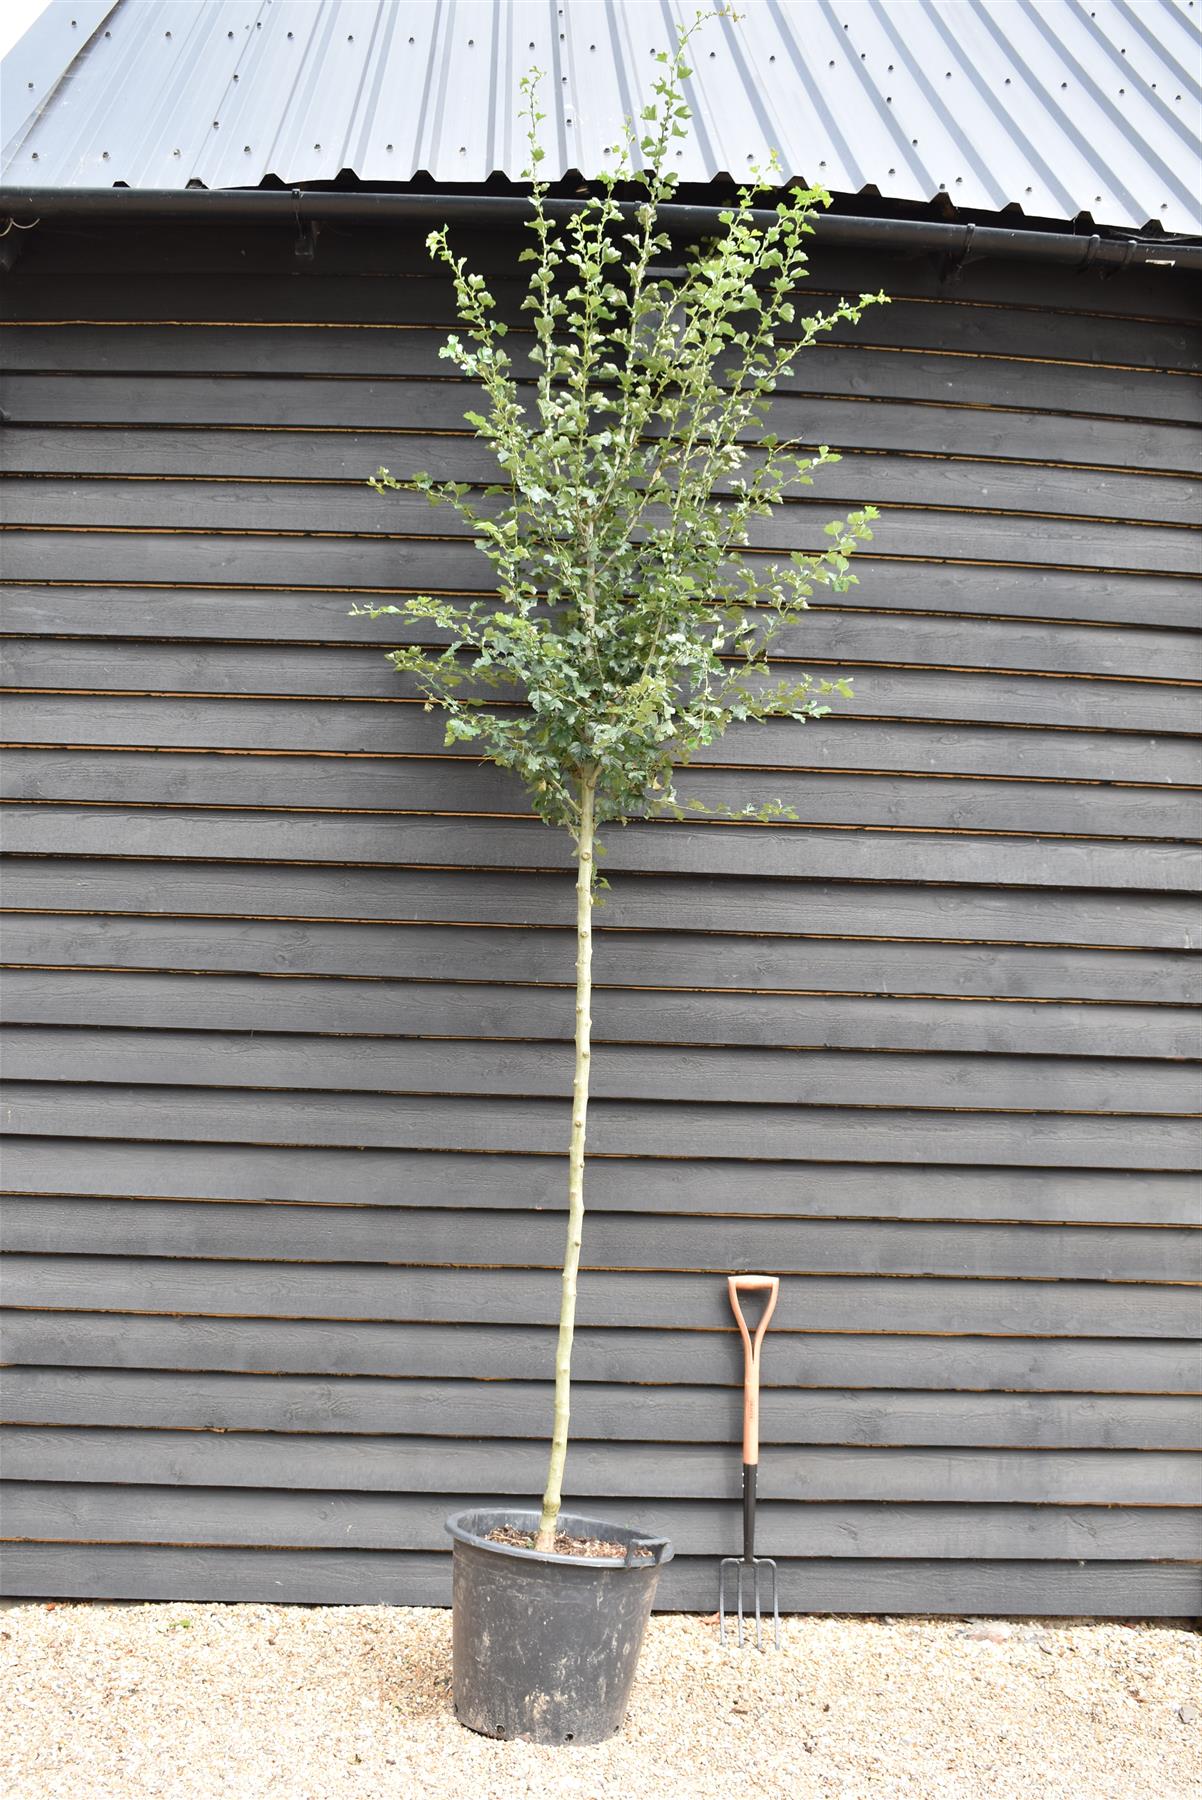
[[182, 310], [862, 633], [961, 475], [460, 786], [47, 1512], [734, 906], [463, 1238], [632, 1471], [358, 520], [258, 1059], [616, 1127], [423, 1578], [653, 1358], [364, 1406], [924, 695], [685, 1301], [349, 727], [647, 960], [152, 1170], [788, 852]]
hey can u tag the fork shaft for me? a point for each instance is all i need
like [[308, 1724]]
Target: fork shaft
[[750, 1470]]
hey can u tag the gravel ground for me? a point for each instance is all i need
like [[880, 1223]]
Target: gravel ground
[[105, 1702]]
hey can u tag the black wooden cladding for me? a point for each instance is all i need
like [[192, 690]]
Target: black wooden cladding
[[290, 987]]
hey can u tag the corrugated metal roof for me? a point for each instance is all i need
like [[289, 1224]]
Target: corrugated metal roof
[[1058, 106]]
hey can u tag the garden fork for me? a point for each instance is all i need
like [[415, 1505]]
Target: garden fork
[[747, 1567]]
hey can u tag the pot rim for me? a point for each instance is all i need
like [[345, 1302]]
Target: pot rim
[[660, 1548]]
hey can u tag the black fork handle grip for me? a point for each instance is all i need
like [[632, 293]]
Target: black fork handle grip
[[749, 1475]]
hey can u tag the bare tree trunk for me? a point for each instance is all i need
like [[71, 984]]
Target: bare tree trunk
[[553, 1494]]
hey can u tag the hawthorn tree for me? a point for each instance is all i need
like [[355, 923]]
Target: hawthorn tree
[[633, 621]]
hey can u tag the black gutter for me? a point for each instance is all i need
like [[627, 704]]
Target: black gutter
[[303, 207]]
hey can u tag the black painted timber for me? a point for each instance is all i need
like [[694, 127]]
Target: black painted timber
[[288, 987]]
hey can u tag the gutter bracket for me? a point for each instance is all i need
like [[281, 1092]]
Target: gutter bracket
[[1129, 249], [950, 267], [12, 242], [1091, 255], [304, 248]]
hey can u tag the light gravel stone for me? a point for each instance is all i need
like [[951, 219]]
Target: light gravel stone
[[257, 1702]]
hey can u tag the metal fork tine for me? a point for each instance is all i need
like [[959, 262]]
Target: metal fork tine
[[742, 1571]]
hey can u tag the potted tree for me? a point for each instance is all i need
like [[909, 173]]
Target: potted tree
[[633, 623]]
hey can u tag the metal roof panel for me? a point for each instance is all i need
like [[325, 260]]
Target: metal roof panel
[[1056, 106]]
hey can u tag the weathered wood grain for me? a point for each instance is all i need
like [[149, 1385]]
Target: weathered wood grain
[[789, 852], [46, 1512], [629, 1471], [356, 518], [459, 786], [925, 695], [362, 1405], [735, 905], [623, 1184], [617, 1127], [686, 1301], [960, 476], [507, 1237], [336, 726], [648, 960], [321, 1350], [1110, 1590], [259, 1059]]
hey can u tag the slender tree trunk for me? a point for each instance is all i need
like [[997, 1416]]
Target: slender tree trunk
[[567, 1309]]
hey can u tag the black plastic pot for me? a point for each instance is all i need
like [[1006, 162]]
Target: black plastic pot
[[545, 1647]]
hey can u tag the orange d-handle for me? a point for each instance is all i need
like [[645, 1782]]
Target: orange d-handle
[[736, 1284]]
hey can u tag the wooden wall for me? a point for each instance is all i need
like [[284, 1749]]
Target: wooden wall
[[288, 986]]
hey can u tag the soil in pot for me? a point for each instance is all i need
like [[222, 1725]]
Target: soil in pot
[[565, 1545]]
